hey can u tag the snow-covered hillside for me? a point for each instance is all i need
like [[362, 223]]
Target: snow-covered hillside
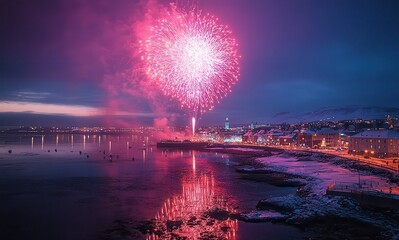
[[337, 113]]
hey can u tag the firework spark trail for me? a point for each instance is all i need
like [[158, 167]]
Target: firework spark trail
[[192, 58]]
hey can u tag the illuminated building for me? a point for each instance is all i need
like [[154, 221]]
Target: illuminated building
[[326, 137], [323, 138], [383, 143], [305, 138], [227, 124], [287, 140]]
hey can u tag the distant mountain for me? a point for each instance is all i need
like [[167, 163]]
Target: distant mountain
[[336, 114]]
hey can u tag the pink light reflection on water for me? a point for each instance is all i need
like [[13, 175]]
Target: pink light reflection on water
[[168, 184], [199, 196], [193, 155]]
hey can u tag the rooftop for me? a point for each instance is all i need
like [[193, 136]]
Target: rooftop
[[388, 134]]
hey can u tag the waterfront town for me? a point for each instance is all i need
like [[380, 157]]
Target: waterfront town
[[373, 141], [369, 138], [331, 169]]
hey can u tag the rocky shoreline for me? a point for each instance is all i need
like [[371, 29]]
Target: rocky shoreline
[[326, 217]]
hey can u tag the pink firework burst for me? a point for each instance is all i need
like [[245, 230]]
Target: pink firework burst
[[192, 58]]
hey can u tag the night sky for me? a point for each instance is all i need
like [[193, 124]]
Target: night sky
[[73, 62]]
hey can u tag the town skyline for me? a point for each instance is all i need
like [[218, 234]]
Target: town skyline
[[328, 114]]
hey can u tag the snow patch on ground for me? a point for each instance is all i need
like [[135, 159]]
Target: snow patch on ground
[[311, 201], [264, 216]]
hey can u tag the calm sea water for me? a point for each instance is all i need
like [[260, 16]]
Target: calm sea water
[[105, 187]]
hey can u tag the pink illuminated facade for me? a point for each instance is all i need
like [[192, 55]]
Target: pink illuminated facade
[[375, 143]]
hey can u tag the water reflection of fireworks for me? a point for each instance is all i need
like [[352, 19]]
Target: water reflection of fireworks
[[193, 214]]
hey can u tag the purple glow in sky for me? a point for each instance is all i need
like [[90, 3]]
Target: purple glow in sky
[[296, 56]]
